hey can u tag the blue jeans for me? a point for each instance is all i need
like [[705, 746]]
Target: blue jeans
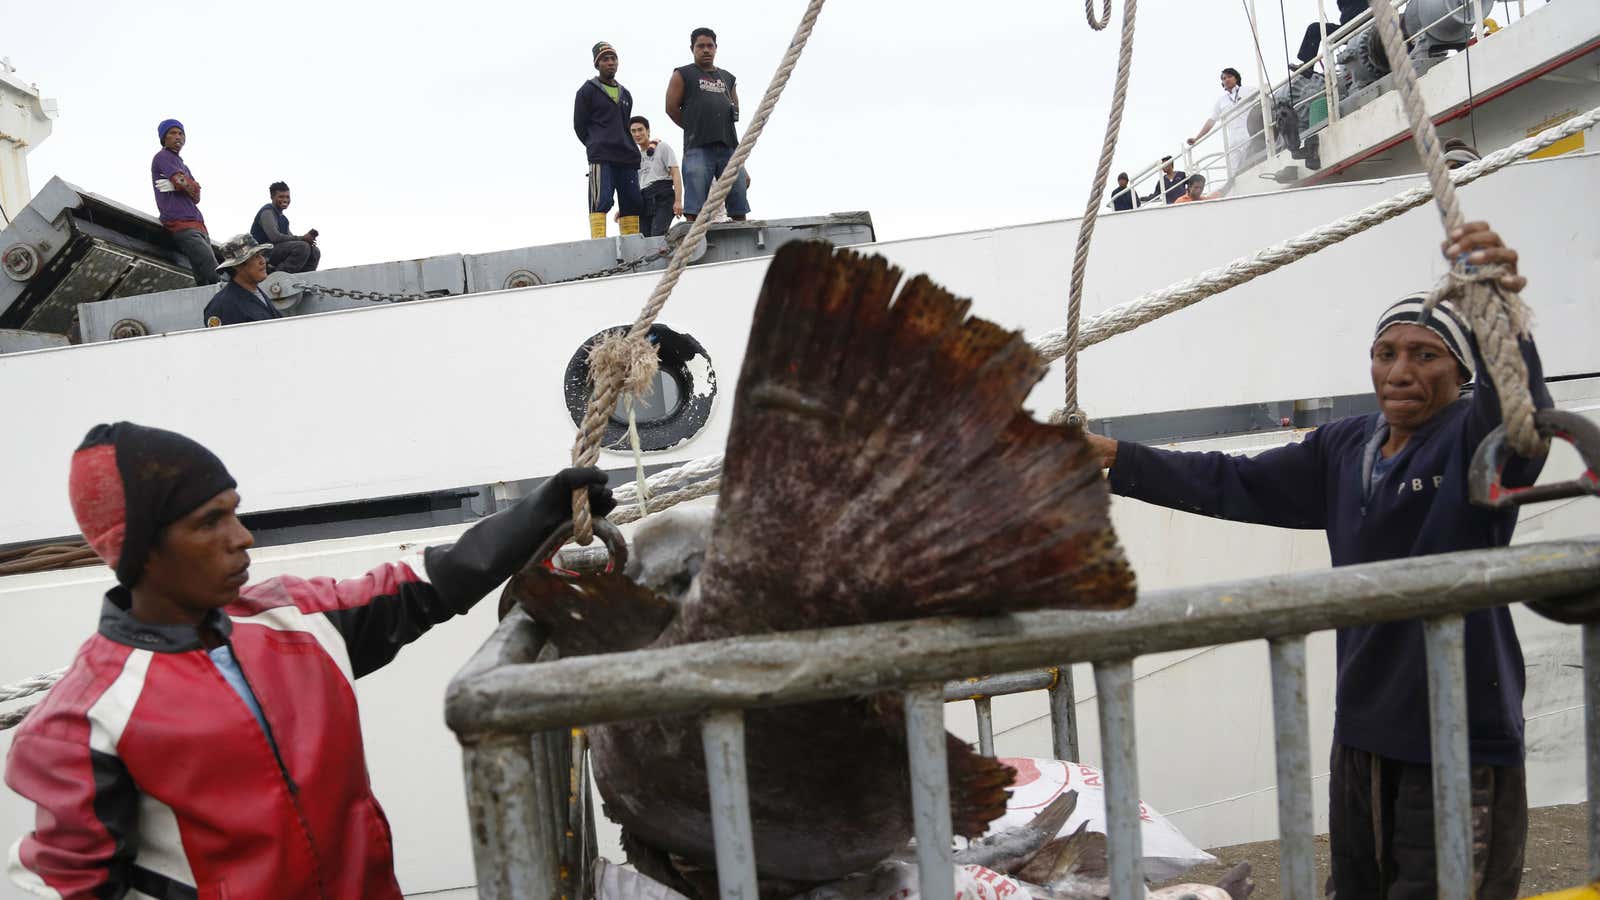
[[608, 178], [701, 166]]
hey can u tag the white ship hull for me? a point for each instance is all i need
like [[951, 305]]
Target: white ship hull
[[466, 391]]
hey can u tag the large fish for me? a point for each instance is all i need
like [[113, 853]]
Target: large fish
[[879, 466]]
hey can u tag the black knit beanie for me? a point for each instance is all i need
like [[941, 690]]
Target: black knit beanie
[[128, 482]]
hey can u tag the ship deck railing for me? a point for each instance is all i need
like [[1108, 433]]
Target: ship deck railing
[[1209, 156], [516, 709]]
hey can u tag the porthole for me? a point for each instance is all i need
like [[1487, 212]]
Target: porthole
[[674, 411]]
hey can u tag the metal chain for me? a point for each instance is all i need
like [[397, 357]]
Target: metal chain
[[621, 267], [381, 297], [372, 296]]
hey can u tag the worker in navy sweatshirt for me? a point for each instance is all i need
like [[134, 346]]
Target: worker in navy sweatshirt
[[600, 115], [1387, 485]]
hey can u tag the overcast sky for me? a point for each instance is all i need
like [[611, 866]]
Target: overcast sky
[[410, 129]]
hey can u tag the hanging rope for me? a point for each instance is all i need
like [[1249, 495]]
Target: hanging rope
[[627, 362], [1080, 260], [1105, 15], [1498, 317]]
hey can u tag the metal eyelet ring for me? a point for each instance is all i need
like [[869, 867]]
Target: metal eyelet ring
[[610, 535]]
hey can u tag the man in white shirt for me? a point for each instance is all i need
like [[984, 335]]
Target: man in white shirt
[[1236, 134], [660, 179]]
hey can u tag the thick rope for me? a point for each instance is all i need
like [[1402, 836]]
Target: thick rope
[[11, 718], [1098, 24], [1091, 214], [1148, 307], [33, 684], [21, 560], [30, 685], [1498, 318], [659, 502], [606, 379]]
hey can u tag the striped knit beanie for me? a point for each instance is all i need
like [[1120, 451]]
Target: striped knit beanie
[[128, 482], [1445, 321]]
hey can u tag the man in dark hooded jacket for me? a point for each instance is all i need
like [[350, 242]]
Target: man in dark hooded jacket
[[600, 115]]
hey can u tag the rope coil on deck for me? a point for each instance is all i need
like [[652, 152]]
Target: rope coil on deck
[[611, 366], [1498, 317]]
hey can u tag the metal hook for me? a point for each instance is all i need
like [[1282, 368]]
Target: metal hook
[[1489, 462], [609, 534]]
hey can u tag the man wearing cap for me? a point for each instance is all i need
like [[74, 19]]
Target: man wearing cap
[[241, 299], [1387, 485], [600, 115], [177, 201], [206, 740]]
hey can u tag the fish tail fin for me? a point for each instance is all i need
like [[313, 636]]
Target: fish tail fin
[[885, 435], [979, 787]]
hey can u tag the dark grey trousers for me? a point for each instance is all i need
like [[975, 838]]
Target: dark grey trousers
[[1380, 824], [196, 245], [294, 256]]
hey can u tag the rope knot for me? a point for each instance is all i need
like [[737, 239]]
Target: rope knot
[[630, 363]]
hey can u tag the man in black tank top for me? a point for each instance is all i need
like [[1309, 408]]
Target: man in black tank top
[[704, 101]]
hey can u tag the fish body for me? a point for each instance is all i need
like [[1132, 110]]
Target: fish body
[[879, 466]]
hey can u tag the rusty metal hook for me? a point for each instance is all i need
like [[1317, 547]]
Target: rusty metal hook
[[1489, 462], [609, 534]]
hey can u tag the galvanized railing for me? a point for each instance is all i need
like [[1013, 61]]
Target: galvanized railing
[[513, 713], [1210, 155]]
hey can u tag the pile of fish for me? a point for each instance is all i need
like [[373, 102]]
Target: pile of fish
[[1073, 867], [879, 466]]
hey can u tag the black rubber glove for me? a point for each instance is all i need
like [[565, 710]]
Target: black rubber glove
[[494, 549]]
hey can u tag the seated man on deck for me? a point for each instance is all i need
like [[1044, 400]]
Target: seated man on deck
[[293, 253], [1383, 486], [206, 740]]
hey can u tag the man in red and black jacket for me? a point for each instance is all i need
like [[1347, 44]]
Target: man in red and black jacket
[[206, 741]]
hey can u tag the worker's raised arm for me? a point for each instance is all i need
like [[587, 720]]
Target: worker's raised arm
[[675, 98], [1283, 486], [393, 605], [87, 807]]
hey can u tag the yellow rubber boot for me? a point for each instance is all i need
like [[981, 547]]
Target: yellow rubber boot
[[597, 225], [630, 224]]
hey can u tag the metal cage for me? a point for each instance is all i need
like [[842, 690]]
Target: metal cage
[[515, 708]]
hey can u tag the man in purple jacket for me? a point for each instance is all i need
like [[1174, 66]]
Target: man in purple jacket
[[1387, 485], [177, 201]]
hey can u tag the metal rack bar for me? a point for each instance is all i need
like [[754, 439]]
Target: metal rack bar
[[930, 791], [722, 733], [1292, 724], [1120, 765]]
